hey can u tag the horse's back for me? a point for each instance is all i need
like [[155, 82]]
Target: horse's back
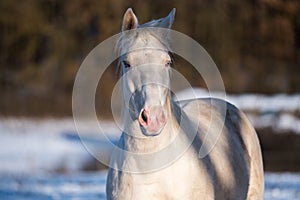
[[235, 160]]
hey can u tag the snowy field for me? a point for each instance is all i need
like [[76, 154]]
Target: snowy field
[[33, 145], [33, 151], [91, 186]]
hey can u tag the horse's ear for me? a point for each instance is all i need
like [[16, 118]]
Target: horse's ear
[[130, 21], [167, 22]]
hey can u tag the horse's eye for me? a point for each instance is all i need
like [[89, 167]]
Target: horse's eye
[[126, 64], [169, 63]]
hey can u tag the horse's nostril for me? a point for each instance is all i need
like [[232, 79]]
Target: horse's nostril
[[144, 116]]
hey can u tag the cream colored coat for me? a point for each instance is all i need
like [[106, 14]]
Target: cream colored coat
[[232, 170]]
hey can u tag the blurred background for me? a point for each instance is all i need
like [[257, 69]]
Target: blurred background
[[254, 43]]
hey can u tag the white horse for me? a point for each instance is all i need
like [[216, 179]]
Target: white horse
[[155, 123]]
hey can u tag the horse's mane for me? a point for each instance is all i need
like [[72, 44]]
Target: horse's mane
[[153, 23]]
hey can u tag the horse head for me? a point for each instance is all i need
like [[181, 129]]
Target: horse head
[[145, 67]]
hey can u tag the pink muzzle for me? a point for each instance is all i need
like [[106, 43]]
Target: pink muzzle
[[152, 119]]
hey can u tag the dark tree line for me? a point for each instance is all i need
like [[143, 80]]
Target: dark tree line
[[255, 44]]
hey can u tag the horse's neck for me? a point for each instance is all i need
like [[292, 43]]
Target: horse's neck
[[136, 142]]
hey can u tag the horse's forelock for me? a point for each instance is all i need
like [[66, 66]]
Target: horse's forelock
[[153, 23], [128, 38]]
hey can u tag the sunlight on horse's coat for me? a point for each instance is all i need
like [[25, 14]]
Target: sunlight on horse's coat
[[156, 123]]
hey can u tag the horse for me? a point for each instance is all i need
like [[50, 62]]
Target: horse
[[151, 161]]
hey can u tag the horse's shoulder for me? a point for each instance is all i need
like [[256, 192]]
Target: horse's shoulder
[[234, 118], [237, 126]]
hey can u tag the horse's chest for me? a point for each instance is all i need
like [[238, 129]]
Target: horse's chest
[[178, 181], [160, 185]]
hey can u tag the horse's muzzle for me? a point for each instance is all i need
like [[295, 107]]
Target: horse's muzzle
[[152, 120]]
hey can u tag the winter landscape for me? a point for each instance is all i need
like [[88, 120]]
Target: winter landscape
[[45, 159], [44, 44]]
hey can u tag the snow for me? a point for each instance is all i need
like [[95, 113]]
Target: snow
[[275, 103], [53, 144], [91, 185], [29, 145], [53, 186], [282, 186], [262, 103], [33, 150]]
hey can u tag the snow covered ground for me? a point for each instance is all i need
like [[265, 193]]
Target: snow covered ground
[[259, 102], [53, 144], [73, 186], [284, 186], [31, 145], [32, 151]]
